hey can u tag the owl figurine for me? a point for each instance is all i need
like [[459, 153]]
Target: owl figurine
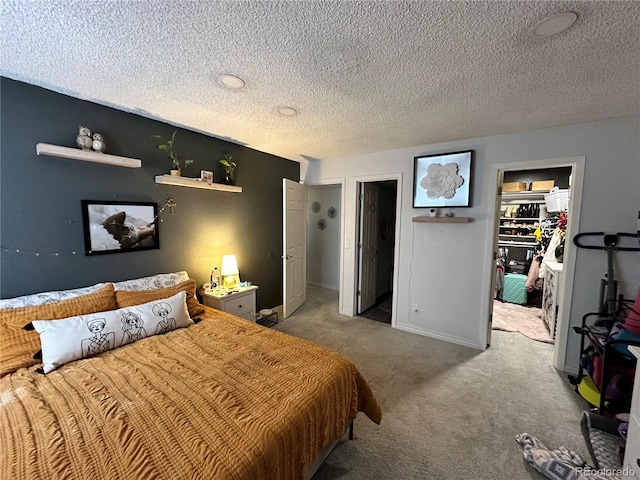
[[84, 140], [98, 143]]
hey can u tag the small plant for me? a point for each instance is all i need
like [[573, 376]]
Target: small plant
[[173, 156], [228, 164]]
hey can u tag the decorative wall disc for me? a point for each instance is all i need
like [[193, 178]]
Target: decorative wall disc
[[315, 207], [322, 224], [332, 212]]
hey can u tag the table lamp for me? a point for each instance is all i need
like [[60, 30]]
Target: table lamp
[[230, 272]]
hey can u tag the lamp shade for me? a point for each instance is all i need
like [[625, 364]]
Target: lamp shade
[[229, 265]]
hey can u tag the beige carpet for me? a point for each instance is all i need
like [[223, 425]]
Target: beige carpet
[[449, 412], [523, 319]]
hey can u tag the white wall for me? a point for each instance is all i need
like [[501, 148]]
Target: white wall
[[442, 267], [323, 246]]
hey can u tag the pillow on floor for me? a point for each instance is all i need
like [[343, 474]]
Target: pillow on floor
[[17, 346], [559, 464], [86, 335], [128, 298]]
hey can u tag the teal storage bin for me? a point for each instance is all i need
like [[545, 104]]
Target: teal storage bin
[[514, 290]]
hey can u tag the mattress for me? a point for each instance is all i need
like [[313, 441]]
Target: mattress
[[514, 290], [222, 399]]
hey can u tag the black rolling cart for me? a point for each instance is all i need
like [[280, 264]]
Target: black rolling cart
[[602, 355]]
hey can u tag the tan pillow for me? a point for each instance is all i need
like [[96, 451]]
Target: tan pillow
[[17, 346], [130, 298]]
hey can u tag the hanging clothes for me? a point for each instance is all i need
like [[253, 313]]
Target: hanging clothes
[[534, 282], [501, 260]]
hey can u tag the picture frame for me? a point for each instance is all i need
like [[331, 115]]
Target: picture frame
[[119, 226], [206, 176], [443, 180]]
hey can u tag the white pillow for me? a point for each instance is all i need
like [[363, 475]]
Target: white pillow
[[48, 297], [153, 282], [85, 335]]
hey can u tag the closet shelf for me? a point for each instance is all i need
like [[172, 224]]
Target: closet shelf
[[77, 154], [441, 219], [517, 236], [523, 219], [195, 183], [508, 243], [526, 196]]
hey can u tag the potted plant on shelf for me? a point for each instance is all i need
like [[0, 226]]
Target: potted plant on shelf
[[229, 166], [176, 166]]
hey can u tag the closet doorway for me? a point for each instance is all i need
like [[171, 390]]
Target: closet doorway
[[536, 210], [376, 249]]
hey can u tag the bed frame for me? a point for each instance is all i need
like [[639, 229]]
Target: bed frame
[[322, 456]]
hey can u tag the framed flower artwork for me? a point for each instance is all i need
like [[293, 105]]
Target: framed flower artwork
[[442, 180]]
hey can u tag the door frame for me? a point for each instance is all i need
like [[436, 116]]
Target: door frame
[[577, 165], [396, 250]]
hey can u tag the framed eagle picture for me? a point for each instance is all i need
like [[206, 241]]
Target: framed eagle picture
[[116, 227]]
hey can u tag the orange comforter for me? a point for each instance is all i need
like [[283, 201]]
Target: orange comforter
[[224, 399]]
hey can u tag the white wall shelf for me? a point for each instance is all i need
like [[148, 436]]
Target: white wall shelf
[[179, 181], [441, 219], [77, 154], [526, 197]]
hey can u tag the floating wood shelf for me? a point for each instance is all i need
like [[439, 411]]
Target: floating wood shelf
[[77, 154], [442, 219], [195, 183]]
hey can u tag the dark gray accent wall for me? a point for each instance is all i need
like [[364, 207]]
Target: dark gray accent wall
[[40, 210]]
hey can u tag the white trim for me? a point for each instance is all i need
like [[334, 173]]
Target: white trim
[[437, 336], [335, 288], [577, 164], [396, 250], [570, 369]]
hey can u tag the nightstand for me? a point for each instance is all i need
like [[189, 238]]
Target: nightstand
[[240, 301]]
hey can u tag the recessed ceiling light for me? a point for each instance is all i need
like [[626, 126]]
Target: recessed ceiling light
[[554, 24], [231, 81], [287, 111]]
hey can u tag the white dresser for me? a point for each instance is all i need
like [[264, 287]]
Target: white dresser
[[632, 449], [240, 301]]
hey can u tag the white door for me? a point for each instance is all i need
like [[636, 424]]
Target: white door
[[294, 242], [368, 246]]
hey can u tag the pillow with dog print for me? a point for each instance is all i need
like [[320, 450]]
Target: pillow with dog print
[[83, 336]]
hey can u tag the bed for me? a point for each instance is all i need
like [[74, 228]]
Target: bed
[[222, 398]]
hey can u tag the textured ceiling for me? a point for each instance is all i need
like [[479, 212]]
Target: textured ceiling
[[364, 76]]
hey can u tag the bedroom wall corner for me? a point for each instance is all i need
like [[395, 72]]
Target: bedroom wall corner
[[40, 198]]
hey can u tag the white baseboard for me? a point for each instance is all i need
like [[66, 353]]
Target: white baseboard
[[572, 369], [438, 336], [335, 288]]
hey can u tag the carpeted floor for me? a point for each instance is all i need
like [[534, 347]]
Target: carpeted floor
[[523, 319], [449, 412]]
